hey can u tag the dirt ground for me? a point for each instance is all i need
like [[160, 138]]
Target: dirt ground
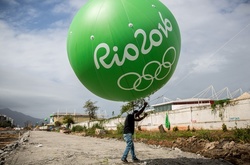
[[7, 138], [53, 148]]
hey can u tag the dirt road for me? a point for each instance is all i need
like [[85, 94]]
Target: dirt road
[[51, 148]]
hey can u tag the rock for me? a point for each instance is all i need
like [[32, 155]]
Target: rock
[[83, 134], [239, 154], [10, 147], [39, 145], [99, 131], [177, 149], [65, 131], [231, 151], [210, 146], [161, 129], [4, 154], [228, 145]]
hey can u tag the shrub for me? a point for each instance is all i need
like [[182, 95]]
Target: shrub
[[97, 125], [78, 128], [58, 123], [175, 129], [205, 134], [221, 103], [243, 134], [119, 128], [224, 127], [91, 131]]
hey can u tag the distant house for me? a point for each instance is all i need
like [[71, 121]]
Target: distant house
[[179, 104], [77, 117], [4, 118]]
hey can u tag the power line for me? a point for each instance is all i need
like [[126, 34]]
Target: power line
[[192, 71]]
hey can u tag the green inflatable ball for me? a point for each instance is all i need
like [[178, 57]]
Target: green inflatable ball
[[123, 50]]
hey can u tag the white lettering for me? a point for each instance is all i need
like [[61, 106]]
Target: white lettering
[[165, 22], [155, 40], [129, 56]]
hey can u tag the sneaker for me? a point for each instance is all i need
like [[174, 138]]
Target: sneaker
[[124, 160], [136, 160]]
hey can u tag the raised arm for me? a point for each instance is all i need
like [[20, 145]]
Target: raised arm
[[140, 118], [142, 109], [137, 115]]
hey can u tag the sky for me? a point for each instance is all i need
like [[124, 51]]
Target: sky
[[36, 77]]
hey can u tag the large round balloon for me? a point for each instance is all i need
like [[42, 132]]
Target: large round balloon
[[123, 50]]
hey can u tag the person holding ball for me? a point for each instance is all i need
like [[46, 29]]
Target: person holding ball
[[128, 132]]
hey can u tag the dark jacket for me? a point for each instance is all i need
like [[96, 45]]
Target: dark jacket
[[129, 125]]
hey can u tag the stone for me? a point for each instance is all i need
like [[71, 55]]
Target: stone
[[211, 145], [228, 145], [161, 129], [99, 131]]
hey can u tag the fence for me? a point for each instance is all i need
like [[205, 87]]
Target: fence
[[234, 114]]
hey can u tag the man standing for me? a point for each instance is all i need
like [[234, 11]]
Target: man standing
[[129, 127]]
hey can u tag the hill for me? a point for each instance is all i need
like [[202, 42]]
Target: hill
[[19, 118]]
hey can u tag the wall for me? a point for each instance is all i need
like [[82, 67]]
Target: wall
[[237, 113], [174, 107], [76, 118]]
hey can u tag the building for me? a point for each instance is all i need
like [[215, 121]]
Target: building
[[4, 118], [179, 104], [77, 117]]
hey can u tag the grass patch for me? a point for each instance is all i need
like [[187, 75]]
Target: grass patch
[[242, 135], [237, 134]]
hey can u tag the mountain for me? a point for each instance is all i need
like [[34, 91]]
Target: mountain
[[19, 118]]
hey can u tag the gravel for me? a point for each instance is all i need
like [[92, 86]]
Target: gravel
[[53, 148]]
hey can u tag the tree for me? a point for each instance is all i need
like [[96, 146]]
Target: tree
[[5, 124], [131, 106], [68, 120], [91, 109], [28, 125], [127, 107], [58, 123]]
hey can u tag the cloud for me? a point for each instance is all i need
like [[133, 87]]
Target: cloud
[[214, 47], [37, 79]]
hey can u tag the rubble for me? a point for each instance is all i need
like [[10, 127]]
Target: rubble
[[6, 151], [236, 153]]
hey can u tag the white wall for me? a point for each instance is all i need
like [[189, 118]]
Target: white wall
[[181, 106], [234, 114]]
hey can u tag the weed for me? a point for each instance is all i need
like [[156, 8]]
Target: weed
[[175, 129], [205, 134], [224, 127], [78, 128], [237, 134], [119, 128], [220, 103], [242, 134], [91, 131]]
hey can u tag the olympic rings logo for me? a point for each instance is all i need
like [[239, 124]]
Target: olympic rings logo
[[161, 72]]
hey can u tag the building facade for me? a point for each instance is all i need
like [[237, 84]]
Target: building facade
[[4, 118], [179, 104], [77, 117], [235, 113]]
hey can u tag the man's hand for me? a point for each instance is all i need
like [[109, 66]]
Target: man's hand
[[142, 109], [141, 118]]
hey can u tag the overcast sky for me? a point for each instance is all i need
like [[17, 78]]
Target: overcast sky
[[37, 79]]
